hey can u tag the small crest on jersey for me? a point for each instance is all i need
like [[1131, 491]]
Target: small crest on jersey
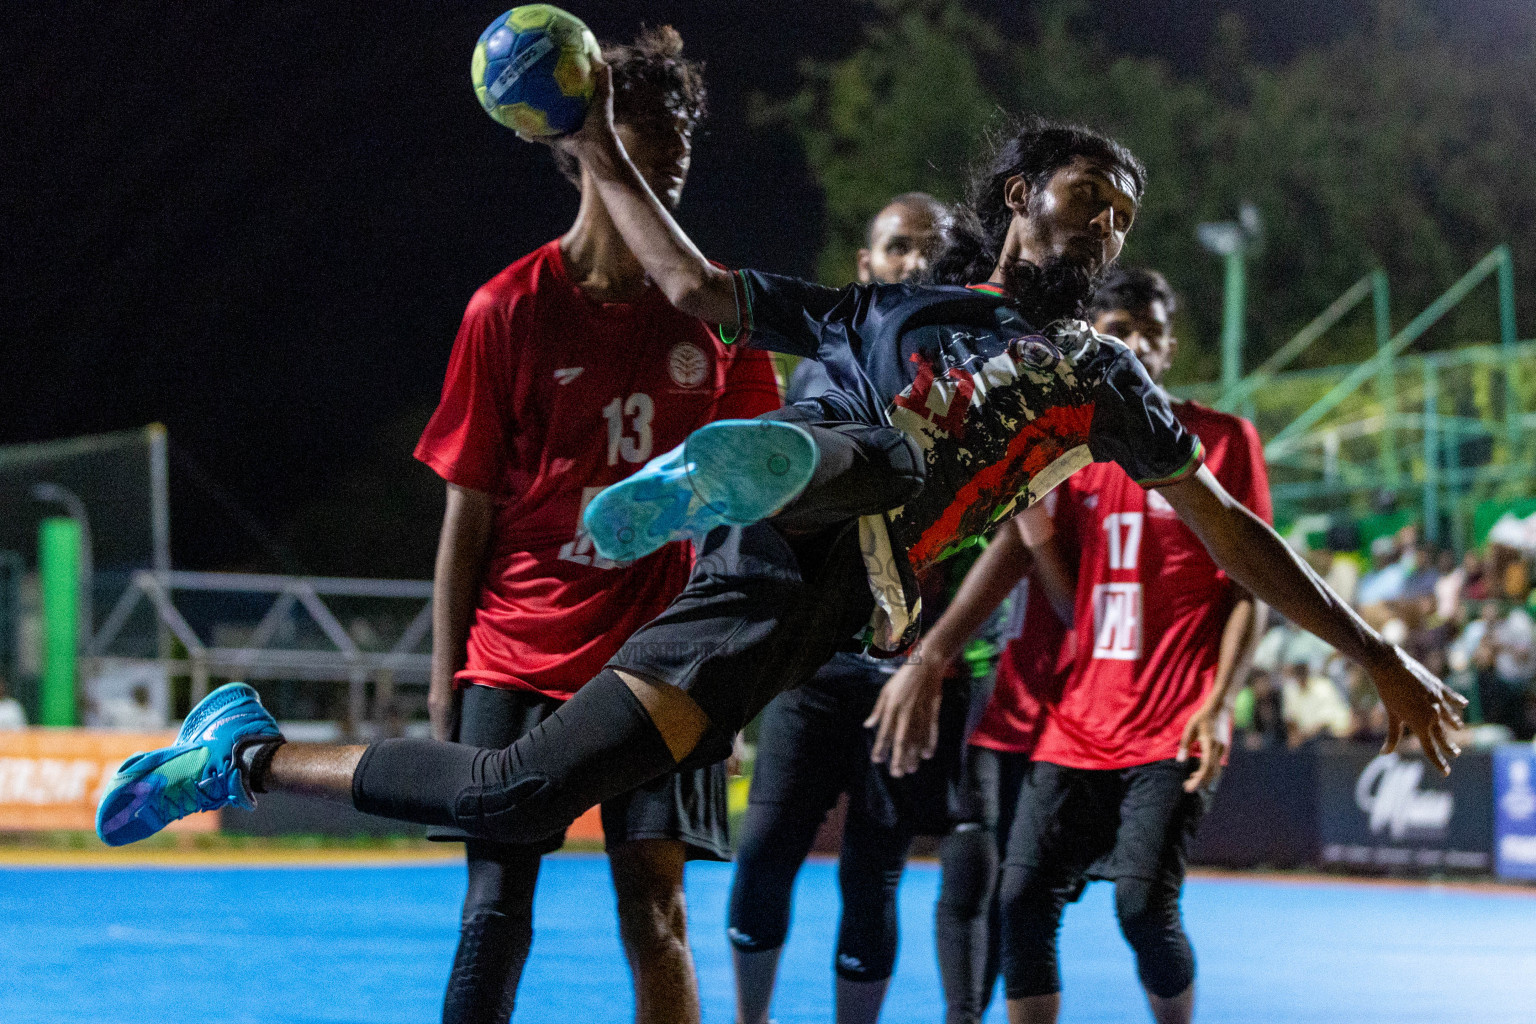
[[687, 364], [568, 374], [1035, 352]]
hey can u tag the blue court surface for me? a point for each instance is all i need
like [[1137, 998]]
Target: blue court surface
[[373, 944]]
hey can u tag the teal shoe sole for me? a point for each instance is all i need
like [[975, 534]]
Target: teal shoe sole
[[731, 472]]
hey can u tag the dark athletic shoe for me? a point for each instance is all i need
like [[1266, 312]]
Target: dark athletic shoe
[[731, 472], [198, 773]]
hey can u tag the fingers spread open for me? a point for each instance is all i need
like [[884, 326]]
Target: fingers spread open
[[1394, 732]]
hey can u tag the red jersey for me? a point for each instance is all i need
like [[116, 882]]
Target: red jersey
[[1030, 675], [1034, 664], [549, 398], [1151, 605]]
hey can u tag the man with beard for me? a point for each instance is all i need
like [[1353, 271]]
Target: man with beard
[[949, 411]]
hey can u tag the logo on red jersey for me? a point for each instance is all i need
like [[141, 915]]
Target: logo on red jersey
[[1117, 621], [687, 364], [568, 374]]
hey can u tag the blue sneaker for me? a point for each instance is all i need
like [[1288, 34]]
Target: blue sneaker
[[730, 472], [198, 773]]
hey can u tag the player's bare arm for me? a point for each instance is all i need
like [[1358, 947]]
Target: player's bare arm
[[456, 576], [1210, 726], [1255, 556], [690, 282], [906, 714]]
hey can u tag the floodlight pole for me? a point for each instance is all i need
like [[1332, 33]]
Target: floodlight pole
[[1234, 310], [1231, 240]]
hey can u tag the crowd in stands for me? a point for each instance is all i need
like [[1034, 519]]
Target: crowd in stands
[[1469, 620]]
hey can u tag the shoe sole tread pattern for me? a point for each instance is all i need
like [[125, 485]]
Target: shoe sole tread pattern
[[740, 472]]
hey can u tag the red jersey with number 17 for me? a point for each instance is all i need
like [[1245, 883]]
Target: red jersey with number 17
[[1151, 605], [549, 398]]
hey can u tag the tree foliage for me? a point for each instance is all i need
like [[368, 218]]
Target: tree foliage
[[1402, 145]]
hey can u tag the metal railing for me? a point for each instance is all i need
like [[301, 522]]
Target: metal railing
[[1444, 430], [264, 654]]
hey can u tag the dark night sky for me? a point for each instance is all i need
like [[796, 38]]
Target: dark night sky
[[259, 222]]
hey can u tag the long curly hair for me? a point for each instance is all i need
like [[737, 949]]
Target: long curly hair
[[1036, 148]]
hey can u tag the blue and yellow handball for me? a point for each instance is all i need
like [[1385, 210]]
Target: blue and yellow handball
[[532, 70]]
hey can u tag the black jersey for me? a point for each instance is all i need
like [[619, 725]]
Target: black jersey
[[1002, 411]]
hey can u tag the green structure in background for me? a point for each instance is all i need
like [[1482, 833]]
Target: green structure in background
[[1444, 436], [58, 561]]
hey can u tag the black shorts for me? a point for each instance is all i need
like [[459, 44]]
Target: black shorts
[[687, 805], [1076, 824], [761, 614], [812, 746]]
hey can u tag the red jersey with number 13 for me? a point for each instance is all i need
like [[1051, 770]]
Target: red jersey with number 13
[[549, 398], [1151, 605]]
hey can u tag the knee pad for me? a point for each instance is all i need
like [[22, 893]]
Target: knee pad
[[866, 937], [600, 744], [1031, 917], [1149, 919]]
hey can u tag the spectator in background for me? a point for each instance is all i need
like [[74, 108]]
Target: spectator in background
[[1367, 713], [1448, 588], [1284, 644], [1424, 574], [1312, 706], [1256, 712], [1343, 570], [1508, 647], [1388, 576], [133, 712], [1429, 634], [12, 717], [1475, 586]]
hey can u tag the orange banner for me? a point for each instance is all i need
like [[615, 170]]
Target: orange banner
[[53, 778]]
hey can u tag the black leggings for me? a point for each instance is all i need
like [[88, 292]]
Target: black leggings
[[1149, 917], [774, 843], [495, 934]]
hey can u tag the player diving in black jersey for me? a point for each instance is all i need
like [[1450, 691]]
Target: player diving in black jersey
[[951, 409]]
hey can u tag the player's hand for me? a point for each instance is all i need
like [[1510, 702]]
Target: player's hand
[[1211, 728], [1418, 701], [906, 715], [596, 133]]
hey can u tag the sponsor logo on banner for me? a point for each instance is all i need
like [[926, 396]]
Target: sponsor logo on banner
[[1395, 812], [1389, 793], [1117, 621], [1515, 810], [1519, 799], [54, 778]]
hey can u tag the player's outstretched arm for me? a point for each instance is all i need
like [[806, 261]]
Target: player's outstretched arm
[[690, 282], [1256, 557]]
